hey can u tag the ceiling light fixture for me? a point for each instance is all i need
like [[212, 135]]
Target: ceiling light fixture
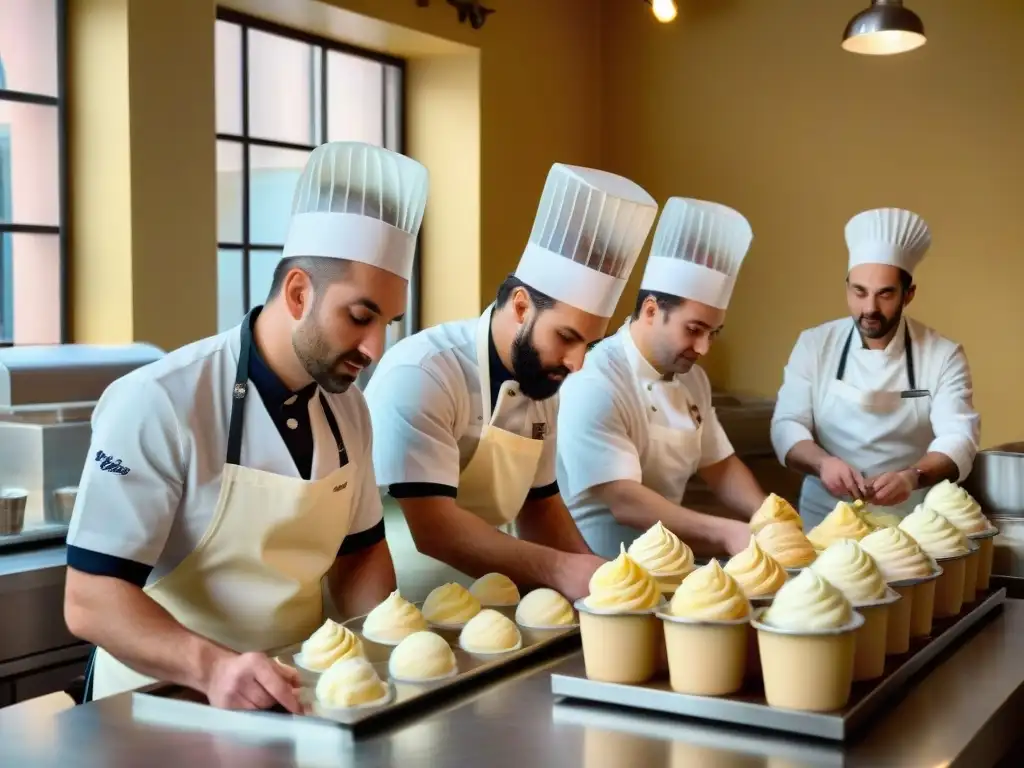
[[884, 29], [664, 10]]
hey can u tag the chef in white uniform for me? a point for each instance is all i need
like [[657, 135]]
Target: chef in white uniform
[[878, 407], [228, 479], [638, 422], [464, 414]]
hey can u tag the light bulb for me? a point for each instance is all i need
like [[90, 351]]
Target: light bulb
[[664, 10]]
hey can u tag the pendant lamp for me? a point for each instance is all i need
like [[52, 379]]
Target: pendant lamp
[[884, 29]]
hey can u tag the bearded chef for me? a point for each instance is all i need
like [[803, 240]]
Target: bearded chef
[[637, 422], [245, 461], [878, 407], [464, 413]]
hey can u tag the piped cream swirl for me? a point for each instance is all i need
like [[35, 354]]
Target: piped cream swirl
[[663, 554], [622, 585], [897, 555], [936, 535], [710, 594], [757, 572], [958, 506], [847, 566], [808, 603]]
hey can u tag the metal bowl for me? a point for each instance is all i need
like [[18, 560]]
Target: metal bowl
[[63, 505], [12, 511]]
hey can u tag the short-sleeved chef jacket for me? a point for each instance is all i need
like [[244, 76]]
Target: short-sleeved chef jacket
[[166, 425]]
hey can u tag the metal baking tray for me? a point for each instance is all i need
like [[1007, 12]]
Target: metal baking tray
[[472, 669], [748, 707]]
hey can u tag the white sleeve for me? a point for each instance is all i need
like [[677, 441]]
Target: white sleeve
[[367, 507], [132, 482], [413, 428], [793, 419], [955, 422], [594, 446]]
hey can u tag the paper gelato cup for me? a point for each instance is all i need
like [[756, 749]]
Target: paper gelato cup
[[808, 671], [971, 564], [620, 647], [872, 638], [897, 633], [720, 646], [922, 612], [949, 587], [986, 547], [753, 651]]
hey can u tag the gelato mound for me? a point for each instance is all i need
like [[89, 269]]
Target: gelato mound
[[545, 608], [421, 657], [710, 594], [787, 545], [350, 683], [450, 604], [897, 555], [775, 509], [757, 572], [331, 643], [847, 566], [393, 620], [622, 586], [808, 603], [663, 555], [936, 535], [490, 632], [843, 522], [495, 589], [956, 505]]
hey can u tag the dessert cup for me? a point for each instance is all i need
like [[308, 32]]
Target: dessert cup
[[922, 612], [986, 547], [911, 616], [753, 651], [620, 647], [872, 637], [807, 670], [949, 587], [721, 647], [971, 563]]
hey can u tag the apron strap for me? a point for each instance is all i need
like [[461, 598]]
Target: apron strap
[[241, 391], [907, 348]]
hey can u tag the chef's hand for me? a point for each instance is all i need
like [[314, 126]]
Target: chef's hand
[[736, 535], [841, 479], [253, 681], [574, 578], [891, 488]]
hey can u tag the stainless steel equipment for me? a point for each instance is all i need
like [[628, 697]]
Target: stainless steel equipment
[[12, 511], [997, 480], [63, 506], [47, 394], [749, 707]]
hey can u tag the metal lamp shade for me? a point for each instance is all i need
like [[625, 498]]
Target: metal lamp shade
[[883, 29]]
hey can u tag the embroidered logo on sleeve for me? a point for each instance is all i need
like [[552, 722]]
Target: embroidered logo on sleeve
[[110, 464], [695, 415]]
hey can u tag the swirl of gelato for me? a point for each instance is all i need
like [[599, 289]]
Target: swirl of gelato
[[847, 566], [495, 589], [710, 594], [808, 603], [330, 643], [958, 506], [843, 522], [545, 608], [787, 545], [393, 620], [757, 572], [622, 585], [775, 509], [490, 632], [663, 554], [450, 604], [897, 555], [936, 535], [422, 656], [350, 683]]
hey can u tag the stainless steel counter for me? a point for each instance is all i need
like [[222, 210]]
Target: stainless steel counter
[[966, 712]]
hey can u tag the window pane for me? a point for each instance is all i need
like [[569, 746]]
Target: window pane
[[229, 77], [229, 192], [230, 307], [273, 174], [280, 88], [30, 297], [261, 275], [355, 104], [28, 46], [29, 164]]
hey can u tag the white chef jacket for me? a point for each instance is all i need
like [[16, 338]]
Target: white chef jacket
[[427, 410], [604, 424], [165, 426], [940, 367]]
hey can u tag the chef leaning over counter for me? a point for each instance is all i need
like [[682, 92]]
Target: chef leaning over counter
[[226, 480], [637, 422], [878, 407], [464, 414]]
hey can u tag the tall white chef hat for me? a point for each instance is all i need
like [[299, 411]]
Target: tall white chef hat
[[358, 202], [887, 236], [590, 228], [697, 252]]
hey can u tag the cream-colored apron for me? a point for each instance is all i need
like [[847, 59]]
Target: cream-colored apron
[[253, 583], [496, 481]]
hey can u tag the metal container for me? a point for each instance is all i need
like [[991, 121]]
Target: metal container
[[997, 480], [63, 505], [12, 511]]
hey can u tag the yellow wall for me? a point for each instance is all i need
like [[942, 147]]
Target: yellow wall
[[754, 104]]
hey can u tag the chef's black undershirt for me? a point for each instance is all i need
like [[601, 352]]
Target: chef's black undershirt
[[499, 374]]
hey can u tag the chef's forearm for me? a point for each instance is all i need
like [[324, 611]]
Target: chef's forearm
[[638, 507], [935, 467], [360, 581], [735, 486], [446, 532], [132, 627], [547, 521], [806, 456]]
